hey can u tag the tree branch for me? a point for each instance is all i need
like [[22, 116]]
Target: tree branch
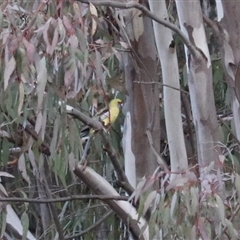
[[63, 199], [44, 148], [101, 186], [160, 161], [213, 25], [122, 179], [162, 84], [91, 122]]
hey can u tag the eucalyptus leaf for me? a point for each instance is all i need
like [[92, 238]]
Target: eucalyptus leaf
[[41, 81], [220, 208], [10, 67], [25, 225]]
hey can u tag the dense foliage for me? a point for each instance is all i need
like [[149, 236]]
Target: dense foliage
[[54, 54]]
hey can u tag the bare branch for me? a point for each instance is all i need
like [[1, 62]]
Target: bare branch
[[64, 199], [213, 25], [160, 161], [164, 85], [91, 122]]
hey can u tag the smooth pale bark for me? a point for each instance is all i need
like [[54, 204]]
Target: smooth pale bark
[[200, 83], [229, 20], [140, 69], [99, 185], [172, 100], [129, 157]]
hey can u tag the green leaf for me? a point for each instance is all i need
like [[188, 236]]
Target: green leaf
[[39, 122], [166, 217], [220, 208], [44, 122], [22, 168], [3, 190], [173, 203], [99, 71], [1, 20], [26, 204], [237, 82], [194, 200], [3, 222], [41, 81], [237, 184], [53, 144], [150, 198], [63, 211], [9, 68], [193, 233], [25, 225], [233, 232], [4, 153]]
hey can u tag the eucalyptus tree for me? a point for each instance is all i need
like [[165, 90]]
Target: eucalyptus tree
[[61, 62]]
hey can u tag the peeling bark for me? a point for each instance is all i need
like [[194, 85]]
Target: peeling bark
[[200, 83], [143, 101], [229, 22]]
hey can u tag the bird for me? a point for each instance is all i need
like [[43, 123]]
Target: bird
[[107, 116]]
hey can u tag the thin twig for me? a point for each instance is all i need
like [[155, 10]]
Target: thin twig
[[86, 148], [160, 161], [63, 199], [164, 85], [123, 181], [213, 25]]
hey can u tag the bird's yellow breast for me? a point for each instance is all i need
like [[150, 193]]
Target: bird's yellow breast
[[113, 114]]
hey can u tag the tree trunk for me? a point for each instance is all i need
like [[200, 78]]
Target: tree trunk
[[229, 21], [172, 99], [200, 82], [143, 101]]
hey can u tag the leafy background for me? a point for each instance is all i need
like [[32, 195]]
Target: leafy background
[[72, 53]]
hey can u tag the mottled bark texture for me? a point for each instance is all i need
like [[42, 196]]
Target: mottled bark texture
[[143, 101], [229, 26], [200, 83]]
